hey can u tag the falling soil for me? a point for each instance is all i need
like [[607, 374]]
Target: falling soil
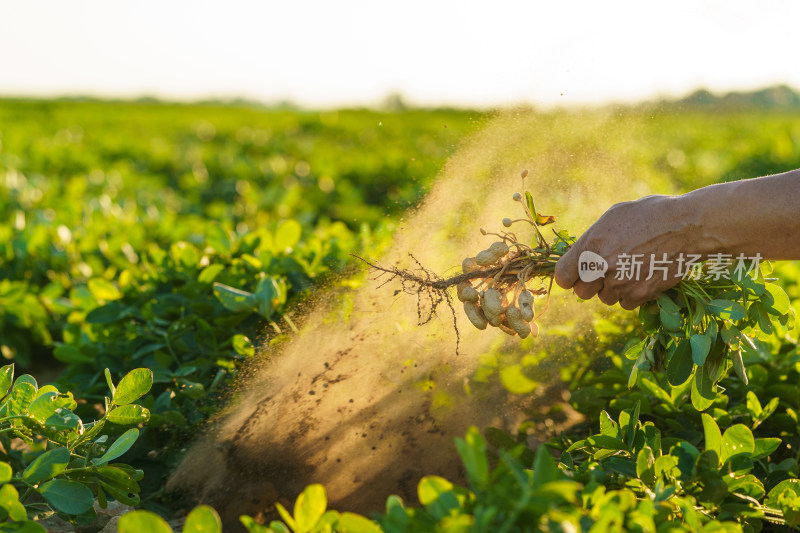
[[367, 402]]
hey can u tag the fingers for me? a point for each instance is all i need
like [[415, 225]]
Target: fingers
[[608, 295], [629, 305], [586, 290], [566, 273]]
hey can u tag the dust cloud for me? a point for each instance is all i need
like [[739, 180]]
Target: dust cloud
[[365, 401]]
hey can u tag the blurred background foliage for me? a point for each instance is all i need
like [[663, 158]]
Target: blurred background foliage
[[177, 237]]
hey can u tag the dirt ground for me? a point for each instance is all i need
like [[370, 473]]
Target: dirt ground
[[364, 400], [344, 420]]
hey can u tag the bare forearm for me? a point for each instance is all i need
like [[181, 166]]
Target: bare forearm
[[757, 216]]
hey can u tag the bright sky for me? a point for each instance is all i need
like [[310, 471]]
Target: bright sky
[[327, 53]]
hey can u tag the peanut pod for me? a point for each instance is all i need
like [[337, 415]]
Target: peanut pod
[[492, 254], [517, 323], [492, 305], [460, 288], [475, 315], [525, 301], [506, 329], [466, 292], [469, 265]]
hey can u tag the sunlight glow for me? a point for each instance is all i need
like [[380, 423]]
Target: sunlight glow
[[320, 53]]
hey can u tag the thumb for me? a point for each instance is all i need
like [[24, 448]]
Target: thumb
[[566, 272]]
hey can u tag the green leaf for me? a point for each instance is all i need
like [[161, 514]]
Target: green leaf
[[540, 220], [47, 465], [6, 378], [218, 239], [5, 472], [764, 447], [701, 345], [738, 365], [606, 442], [620, 465], [102, 501], [530, 204], [515, 381], [64, 419], [103, 290], [545, 469], [608, 426], [243, 346], [24, 526], [141, 521], [712, 433], [129, 414], [654, 390], [184, 254], [118, 478], [472, 450], [210, 273], [727, 310], [119, 447], [110, 382], [686, 454], [203, 519], [703, 391], [133, 386], [69, 497], [649, 317], [641, 364], [235, 300], [9, 500], [713, 329], [791, 486], [748, 485], [730, 335], [285, 516], [107, 314], [287, 236], [436, 494], [269, 295], [760, 315], [753, 405], [27, 378], [191, 389], [664, 464], [736, 439], [254, 527], [667, 304], [645, 466], [750, 286], [67, 353], [44, 406], [22, 394], [122, 496], [672, 321], [634, 351], [778, 302], [353, 523], [769, 409], [630, 431], [680, 365], [310, 506]]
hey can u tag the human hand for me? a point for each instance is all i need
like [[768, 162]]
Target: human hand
[[653, 227]]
